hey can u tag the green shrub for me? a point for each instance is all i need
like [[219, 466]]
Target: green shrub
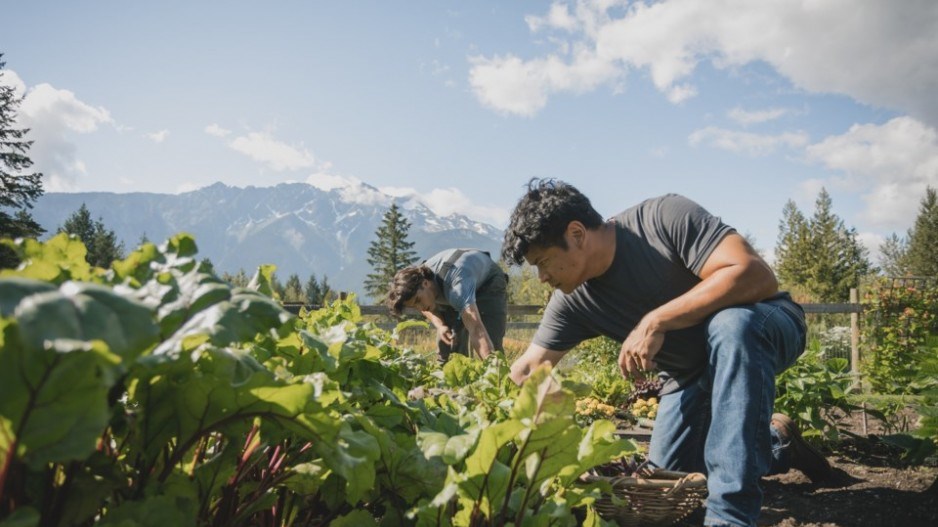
[[900, 332], [813, 392], [596, 362]]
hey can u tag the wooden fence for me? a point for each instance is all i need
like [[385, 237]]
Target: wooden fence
[[515, 311]]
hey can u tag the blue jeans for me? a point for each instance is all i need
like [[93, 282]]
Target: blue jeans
[[719, 424]]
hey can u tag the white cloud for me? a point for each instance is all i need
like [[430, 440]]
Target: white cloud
[[890, 165], [446, 202], [53, 115], [217, 131], [807, 192], [747, 117], [880, 53], [559, 17], [510, 85], [158, 137], [872, 242], [327, 182], [11, 79], [278, 156], [188, 186], [746, 142]]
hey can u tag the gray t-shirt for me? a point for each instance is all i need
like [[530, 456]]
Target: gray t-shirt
[[467, 274], [661, 246]]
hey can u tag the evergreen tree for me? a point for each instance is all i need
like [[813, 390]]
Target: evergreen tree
[[18, 188], [389, 252], [894, 251], [923, 238], [241, 279], [103, 247], [276, 286], [526, 288], [313, 291], [328, 295], [840, 260], [791, 251], [820, 255], [206, 266], [293, 290]]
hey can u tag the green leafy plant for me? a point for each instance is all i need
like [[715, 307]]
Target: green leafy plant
[[595, 363], [154, 393], [814, 392], [901, 330]]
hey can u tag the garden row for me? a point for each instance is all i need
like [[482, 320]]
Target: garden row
[[153, 393]]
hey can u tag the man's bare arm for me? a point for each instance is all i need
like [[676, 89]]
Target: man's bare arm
[[733, 274], [479, 339], [443, 332], [533, 357]]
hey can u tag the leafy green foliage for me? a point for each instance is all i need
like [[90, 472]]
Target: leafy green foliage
[[900, 332], [595, 363], [525, 288], [812, 390], [156, 393]]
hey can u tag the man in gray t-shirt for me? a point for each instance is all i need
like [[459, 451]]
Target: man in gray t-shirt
[[463, 293], [685, 294]]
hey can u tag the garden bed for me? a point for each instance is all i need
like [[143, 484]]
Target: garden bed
[[871, 487]]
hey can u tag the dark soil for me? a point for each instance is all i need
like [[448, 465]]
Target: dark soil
[[871, 487]]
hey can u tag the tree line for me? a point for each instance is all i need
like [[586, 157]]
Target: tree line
[[818, 257]]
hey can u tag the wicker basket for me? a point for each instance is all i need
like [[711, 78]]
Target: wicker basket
[[663, 497]]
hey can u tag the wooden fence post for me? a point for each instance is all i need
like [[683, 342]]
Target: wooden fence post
[[855, 352], [854, 336]]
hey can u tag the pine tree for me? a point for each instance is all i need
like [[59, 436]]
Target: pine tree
[[837, 259], [240, 279], [18, 188], [313, 291], [276, 286], [791, 250], [820, 255], [923, 238], [293, 290], [895, 256], [103, 247], [389, 252], [328, 295]]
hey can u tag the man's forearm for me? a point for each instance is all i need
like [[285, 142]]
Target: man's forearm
[[725, 287], [479, 340], [435, 320]]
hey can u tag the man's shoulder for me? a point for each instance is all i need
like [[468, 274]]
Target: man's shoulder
[[663, 204]]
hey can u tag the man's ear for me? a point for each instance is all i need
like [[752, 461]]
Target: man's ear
[[575, 234]]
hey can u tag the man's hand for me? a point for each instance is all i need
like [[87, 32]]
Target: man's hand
[[533, 357], [445, 334], [639, 349]]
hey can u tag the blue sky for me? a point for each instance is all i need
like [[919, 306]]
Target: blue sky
[[739, 105]]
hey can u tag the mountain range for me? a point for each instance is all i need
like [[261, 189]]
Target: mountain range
[[298, 227]]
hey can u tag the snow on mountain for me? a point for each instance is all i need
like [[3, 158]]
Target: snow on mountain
[[300, 228]]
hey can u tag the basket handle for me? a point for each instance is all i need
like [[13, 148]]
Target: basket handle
[[694, 479]]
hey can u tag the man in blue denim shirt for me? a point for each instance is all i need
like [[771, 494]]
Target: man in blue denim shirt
[[463, 293], [686, 295]]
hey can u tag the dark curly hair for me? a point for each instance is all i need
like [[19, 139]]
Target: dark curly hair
[[541, 217], [405, 285]]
